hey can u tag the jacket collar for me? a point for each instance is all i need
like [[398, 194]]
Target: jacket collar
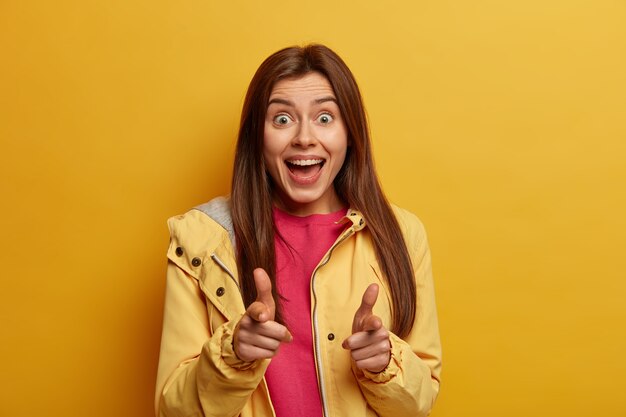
[[356, 218]]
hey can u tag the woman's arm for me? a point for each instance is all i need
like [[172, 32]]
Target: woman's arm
[[199, 373], [409, 385]]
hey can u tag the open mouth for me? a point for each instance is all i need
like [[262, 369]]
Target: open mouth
[[305, 168]]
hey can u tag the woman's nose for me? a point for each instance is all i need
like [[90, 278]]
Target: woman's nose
[[305, 135]]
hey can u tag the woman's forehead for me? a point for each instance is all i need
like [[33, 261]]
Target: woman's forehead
[[310, 84]]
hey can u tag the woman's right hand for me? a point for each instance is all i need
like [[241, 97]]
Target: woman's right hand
[[257, 335]]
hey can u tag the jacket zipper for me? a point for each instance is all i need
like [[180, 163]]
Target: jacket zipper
[[318, 348]]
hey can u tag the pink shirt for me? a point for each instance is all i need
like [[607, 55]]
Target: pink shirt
[[291, 376]]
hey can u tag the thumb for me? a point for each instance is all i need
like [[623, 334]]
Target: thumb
[[263, 309], [364, 318]]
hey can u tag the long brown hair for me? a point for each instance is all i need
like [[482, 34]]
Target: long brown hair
[[356, 183]]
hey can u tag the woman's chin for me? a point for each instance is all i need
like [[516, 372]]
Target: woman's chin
[[305, 202]]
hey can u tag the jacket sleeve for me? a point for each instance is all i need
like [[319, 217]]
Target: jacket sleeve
[[410, 383], [199, 373]]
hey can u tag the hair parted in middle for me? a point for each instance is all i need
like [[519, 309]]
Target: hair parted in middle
[[356, 183]]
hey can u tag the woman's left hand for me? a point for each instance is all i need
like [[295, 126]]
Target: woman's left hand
[[369, 344]]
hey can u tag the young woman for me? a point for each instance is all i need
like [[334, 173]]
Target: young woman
[[305, 293]]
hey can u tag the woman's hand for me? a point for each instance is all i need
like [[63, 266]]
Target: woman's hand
[[369, 344], [257, 335]]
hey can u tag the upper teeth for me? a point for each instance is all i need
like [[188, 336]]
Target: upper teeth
[[305, 162]]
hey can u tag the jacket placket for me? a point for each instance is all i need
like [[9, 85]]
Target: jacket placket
[[357, 224]]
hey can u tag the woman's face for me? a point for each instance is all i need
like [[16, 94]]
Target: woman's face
[[304, 144]]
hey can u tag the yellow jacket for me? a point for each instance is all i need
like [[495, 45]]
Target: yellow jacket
[[199, 373]]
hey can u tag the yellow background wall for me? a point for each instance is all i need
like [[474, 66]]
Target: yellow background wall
[[500, 123]]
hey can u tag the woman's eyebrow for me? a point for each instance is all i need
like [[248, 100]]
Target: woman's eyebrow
[[325, 99], [280, 101], [290, 103]]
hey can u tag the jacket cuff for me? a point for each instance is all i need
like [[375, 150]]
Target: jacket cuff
[[395, 364]]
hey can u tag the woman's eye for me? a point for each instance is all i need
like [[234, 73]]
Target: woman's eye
[[282, 119], [325, 118]]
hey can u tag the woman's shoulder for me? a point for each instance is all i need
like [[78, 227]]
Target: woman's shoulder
[[410, 224], [204, 224]]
